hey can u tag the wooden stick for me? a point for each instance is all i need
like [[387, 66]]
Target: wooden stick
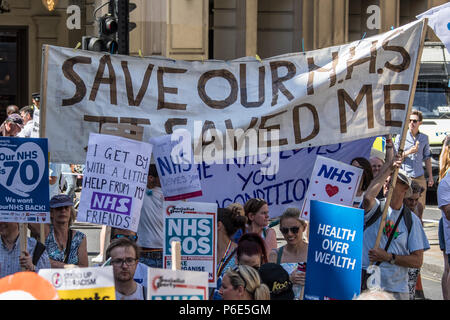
[[403, 136], [23, 238], [176, 255]]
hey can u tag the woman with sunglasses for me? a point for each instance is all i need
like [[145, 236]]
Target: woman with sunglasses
[[243, 283], [63, 245], [296, 249]]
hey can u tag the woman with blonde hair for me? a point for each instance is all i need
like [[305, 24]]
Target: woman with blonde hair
[[243, 283], [296, 249]]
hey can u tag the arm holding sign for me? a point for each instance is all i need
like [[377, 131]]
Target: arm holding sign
[[377, 183], [414, 260]]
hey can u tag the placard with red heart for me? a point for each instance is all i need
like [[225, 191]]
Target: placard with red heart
[[331, 181]]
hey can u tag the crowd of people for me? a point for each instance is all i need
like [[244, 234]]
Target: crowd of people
[[250, 264]]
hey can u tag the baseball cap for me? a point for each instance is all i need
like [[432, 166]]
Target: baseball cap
[[277, 279], [60, 200], [404, 177], [17, 119]]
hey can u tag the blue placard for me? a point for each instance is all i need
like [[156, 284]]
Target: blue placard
[[333, 269], [24, 184]]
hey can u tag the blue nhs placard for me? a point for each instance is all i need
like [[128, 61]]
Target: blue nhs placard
[[24, 186], [334, 252]]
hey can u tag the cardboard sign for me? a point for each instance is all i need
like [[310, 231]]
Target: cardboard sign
[[82, 283], [287, 188], [334, 252], [164, 284], [331, 181], [194, 225], [336, 94], [114, 181], [24, 186], [178, 175]]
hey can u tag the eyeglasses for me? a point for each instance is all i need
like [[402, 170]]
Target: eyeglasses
[[119, 236], [292, 229], [120, 262], [413, 120]]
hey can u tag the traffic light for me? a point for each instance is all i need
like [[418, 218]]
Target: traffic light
[[106, 41], [124, 7]]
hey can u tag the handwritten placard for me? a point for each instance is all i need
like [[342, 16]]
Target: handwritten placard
[[114, 181], [178, 175]]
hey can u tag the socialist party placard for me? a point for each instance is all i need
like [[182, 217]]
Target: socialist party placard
[[334, 252], [24, 187], [194, 225], [114, 181]]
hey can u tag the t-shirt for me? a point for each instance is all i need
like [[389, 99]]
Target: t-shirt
[[412, 164], [150, 229], [26, 130], [54, 171], [137, 295], [394, 278], [443, 196]]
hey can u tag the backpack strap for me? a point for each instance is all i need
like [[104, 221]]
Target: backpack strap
[[38, 251], [279, 254], [376, 215]]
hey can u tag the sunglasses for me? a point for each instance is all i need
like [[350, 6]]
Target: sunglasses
[[292, 229], [413, 120], [119, 236]]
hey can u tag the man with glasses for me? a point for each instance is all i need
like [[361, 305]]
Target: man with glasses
[[417, 151], [124, 255], [141, 273]]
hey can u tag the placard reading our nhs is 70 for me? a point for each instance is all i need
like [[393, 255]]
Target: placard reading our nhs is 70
[[24, 185]]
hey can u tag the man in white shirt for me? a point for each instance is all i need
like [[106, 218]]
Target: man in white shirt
[[150, 230], [27, 116]]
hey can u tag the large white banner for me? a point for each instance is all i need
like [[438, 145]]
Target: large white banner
[[326, 96], [225, 184]]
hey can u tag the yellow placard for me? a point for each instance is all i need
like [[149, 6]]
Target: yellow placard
[[107, 293]]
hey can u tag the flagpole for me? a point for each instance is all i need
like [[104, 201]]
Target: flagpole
[[403, 136]]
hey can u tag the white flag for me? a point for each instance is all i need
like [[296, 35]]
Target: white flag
[[439, 21]]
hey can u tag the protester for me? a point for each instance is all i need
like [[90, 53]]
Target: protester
[[251, 251], [416, 151], [27, 116], [444, 158], [375, 294], [150, 229], [277, 280], [296, 249], [63, 245], [376, 164], [443, 197], [68, 180], [243, 283], [257, 213], [12, 260], [54, 171], [412, 202], [124, 255], [404, 251], [12, 109], [228, 222], [366, 178], [141, 273], [12, 125]]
